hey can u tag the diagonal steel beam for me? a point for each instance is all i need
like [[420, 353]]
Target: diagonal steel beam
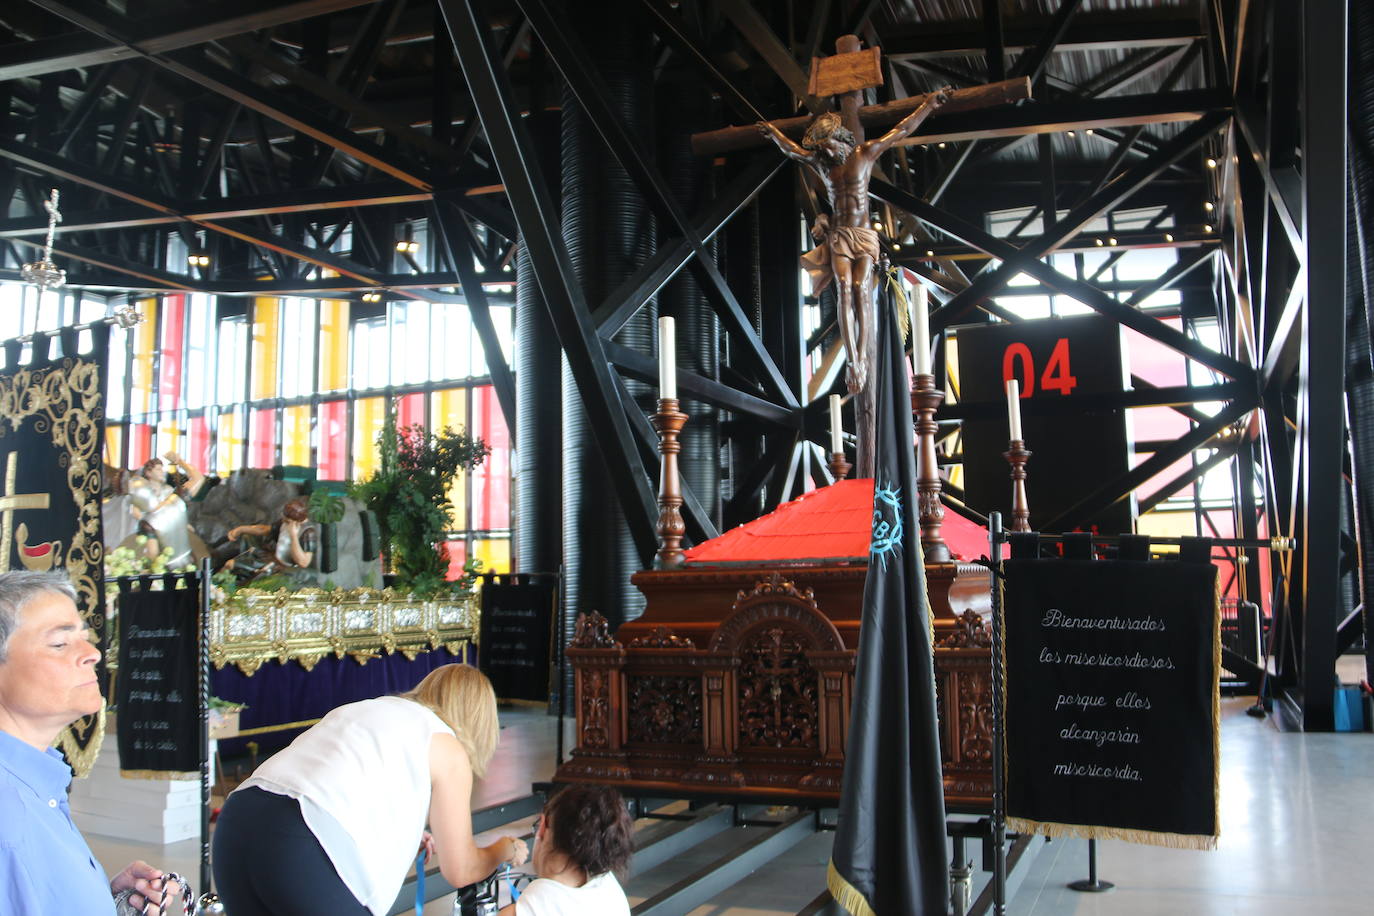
[[516, 157], [1032, 62], [1071, 286], [592, 95], [668, 26], [755, 29], [167, 30], [1116, 490], [455, 237]]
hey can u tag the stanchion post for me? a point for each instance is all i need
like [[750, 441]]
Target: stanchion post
[[1091, 885], [999, 814]]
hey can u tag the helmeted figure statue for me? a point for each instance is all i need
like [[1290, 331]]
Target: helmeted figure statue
[[160, 509]]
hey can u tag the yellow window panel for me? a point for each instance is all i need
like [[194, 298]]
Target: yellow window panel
[[266, 332], [333, 345], [368, 415], [295, 436], [494, 554]]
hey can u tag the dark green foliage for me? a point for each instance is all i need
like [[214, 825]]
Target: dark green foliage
[[326, 507], [409, 494]]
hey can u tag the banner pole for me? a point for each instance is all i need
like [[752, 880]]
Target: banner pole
[[1092, 885], [999, 816], [204, 697]]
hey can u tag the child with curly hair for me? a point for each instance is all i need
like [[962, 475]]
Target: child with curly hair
[[581, 842]]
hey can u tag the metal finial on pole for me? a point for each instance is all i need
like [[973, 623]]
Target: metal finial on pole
[[43, 273]]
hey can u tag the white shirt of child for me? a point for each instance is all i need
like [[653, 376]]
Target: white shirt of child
[[601, 896]]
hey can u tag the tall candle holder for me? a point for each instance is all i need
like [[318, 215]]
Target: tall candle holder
[[925, 399], [839, 467], [668, 422], [1017, 455]]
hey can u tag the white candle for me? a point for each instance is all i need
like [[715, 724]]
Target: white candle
[[667, 359], [1014, 408], [836, 429], [920, 330]]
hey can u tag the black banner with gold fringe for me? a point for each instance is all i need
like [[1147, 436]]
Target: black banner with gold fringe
[[52, 410], [1112, 698]]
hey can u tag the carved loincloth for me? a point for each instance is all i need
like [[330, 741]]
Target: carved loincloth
[[852, 242]]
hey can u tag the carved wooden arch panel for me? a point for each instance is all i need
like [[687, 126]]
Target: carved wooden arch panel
[[776, 599]]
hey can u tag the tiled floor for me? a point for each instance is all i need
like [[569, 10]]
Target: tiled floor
[[1297, 827]]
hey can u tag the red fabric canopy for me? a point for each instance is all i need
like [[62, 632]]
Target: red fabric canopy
[[829, 523]]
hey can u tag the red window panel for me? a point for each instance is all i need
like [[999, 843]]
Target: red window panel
[[491, 481], [457, 556], [171, 355], [410, 410], [140, 444], [198, 452], [333, 444], [262, 439]]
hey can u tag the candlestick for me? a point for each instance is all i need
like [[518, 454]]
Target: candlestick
[[836, 425], [925, 399], [1017, 456], [839, 467], [1014, 408], [667, 359], [668, 422], [920, 330]]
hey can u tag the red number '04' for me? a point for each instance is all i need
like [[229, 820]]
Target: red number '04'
[[1058, 376]]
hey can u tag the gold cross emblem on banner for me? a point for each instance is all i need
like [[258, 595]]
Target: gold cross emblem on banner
[[10, 502]]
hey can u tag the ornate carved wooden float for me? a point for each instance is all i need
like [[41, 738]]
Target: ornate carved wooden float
[[736, 680]]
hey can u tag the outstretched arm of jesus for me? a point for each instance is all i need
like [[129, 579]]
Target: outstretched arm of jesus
[[784, 142], [904, 128]]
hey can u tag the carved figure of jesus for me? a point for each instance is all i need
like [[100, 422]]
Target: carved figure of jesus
[[849, 245]]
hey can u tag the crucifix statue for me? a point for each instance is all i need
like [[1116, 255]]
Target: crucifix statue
[[833, 148]]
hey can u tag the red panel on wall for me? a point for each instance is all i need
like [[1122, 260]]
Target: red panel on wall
[[262, 444], [333, 431], [491, 481], [170, 358], [140, 444], [457, 556], [410, 410], [199, 450]]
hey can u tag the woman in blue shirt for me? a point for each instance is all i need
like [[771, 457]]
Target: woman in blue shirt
[[47, 682]]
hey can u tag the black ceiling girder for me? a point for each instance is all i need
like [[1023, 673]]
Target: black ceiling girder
[[157, 276], [587, 87], [775, 456], [674, 254], [1084, 292], [1087, 34], [775, 54], [1116, 490], [167, 30], [456, 240], [515, 154], [994, 47], [1032, 62], [644, 367], [1221, 453], [668, 27], [1109, 197], [81, 112]]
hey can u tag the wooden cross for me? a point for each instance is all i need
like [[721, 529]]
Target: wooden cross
[[10, 502]]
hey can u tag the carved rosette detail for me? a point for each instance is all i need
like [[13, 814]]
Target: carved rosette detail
[[664, 710], [662, 638], [929, 506], [777, 691], [970, 632], [595, 707], [592, 632]]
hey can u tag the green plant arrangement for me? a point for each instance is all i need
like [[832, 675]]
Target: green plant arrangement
[[409, 494], [326, 507]]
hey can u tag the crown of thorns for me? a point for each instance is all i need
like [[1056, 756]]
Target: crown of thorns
[[827, 126]]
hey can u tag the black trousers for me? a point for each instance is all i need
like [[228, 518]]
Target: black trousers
[[266, 861]]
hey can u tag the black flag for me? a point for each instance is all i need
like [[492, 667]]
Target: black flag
[[889, 854]]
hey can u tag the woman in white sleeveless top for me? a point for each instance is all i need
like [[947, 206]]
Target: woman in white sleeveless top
[[331, 823], [582, 841]]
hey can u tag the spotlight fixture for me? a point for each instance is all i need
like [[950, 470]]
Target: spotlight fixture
[[896, 246], [1111, 240], [1211, 163], [1207, 227], [196, 259], [1099, 242], [407, 246], [877, 226], [372, 295], [1089, 131], [940, 146], [1071, 134], [930, 252], [1168, 237]]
